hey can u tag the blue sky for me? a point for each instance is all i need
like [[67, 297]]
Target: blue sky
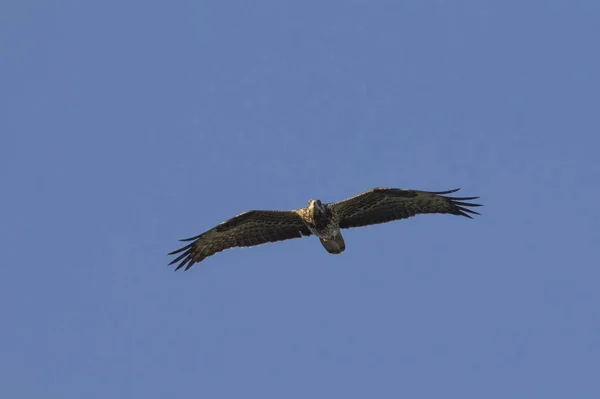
[[129, 125]]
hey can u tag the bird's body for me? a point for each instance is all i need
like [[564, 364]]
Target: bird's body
[[379, 205], [323, 221]]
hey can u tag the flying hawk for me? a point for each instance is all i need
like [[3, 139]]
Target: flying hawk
[[379, 205]]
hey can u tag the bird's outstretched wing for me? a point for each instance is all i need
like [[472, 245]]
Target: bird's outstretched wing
[[381, 205], [244, 230]]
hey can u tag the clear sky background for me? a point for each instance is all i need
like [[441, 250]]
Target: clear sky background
[[127, 125]]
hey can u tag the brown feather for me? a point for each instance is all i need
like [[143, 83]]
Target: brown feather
[[382, 205], [379, 205], [245, 230]]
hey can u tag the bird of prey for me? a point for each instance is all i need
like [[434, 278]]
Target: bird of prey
[[324, 220]]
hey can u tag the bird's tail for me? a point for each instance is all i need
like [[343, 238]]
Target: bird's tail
[[335, 245]]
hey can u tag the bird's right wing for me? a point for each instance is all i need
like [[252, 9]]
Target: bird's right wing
[[244, 230]]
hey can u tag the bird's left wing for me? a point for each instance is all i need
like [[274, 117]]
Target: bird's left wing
[[381, 205], [244, 230]]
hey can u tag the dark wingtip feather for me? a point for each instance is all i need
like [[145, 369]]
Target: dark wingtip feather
[[463, 209], [189, 261], [460, 198], [465, 203], [465, 214], [446, 192], [189, 265], [181, 249], [191, 238], [183, 255], [458, 203]]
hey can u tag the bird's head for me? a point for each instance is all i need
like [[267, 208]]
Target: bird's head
[[315, 207]]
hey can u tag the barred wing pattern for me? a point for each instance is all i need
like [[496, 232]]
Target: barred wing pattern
[[244, 230], [381, 205]]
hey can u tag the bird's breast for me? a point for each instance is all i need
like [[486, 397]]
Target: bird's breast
[[322, 225]]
